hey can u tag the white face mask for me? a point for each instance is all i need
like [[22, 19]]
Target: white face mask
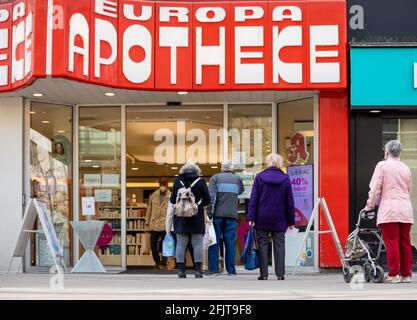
[[163, 189]]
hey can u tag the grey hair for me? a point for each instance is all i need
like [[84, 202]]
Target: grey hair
[[393, 148], [227, 165], [274, 160], [190, 166]]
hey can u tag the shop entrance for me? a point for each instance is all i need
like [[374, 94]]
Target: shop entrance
[[118, 153], [159, 140]]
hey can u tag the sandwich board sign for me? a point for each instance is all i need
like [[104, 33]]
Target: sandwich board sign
[[38, 209]]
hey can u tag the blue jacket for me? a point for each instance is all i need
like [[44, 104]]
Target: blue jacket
[[196, 224], [225, 187], [271, 204]]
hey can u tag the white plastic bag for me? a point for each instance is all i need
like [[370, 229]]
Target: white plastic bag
[[209, 238]]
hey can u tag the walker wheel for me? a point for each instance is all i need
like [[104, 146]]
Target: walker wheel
[[379, 276], [347, 274], [367, 269]]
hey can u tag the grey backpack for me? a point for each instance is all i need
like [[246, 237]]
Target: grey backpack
[[186, 205]]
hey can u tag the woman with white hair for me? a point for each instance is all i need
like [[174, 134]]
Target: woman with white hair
[[186, 227], [271, 212], [391, 187]]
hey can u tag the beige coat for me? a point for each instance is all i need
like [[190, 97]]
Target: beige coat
[[391, 187], [156, 212]]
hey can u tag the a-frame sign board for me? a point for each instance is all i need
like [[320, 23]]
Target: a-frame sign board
[[38, 209], [314, 217]]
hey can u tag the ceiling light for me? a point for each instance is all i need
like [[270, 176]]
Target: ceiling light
[[61, 131], [174, 168], [46, 121], [182, 92], [110, 94], [87, 160], [214, 167], [375, 111], [32, 112], [38, 94], [268, 150], [96, 166], [135, 169]]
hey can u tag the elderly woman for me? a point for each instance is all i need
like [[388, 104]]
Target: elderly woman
[[192, 227], [391, 188], [271, 211]]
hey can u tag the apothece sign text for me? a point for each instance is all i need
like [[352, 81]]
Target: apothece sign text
[[227, 45]]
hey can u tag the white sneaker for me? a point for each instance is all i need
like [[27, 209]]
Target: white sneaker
[[406, 279], [389, 279]]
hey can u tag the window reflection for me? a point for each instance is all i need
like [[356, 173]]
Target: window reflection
[[50, 175]]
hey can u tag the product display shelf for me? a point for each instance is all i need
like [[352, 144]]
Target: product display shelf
[[110, 260], [110, 254]]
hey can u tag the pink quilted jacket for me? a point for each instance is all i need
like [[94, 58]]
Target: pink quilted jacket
[[391, 188]]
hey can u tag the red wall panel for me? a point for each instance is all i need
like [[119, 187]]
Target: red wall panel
[[323, 13], [252, 21], [6, 47], [104, 30], [210, 33], [137, 52], [184, 54], [290, 54], [78, 12], [333, 171]]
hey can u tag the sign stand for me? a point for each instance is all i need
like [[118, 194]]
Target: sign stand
[[314, 217], [38, 209]]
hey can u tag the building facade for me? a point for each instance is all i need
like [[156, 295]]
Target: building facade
[[383, 95], [101, 98]]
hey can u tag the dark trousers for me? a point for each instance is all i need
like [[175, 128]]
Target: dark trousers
[[156, 246], [278, 242]]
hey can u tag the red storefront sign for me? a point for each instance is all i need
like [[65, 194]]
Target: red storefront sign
[[193, 46]]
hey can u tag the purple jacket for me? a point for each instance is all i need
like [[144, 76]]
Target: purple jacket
[[271, 204]]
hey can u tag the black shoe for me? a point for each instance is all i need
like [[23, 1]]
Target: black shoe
[[197, 268], [280, 278], [262, 278], [156, 266], [181, 272]]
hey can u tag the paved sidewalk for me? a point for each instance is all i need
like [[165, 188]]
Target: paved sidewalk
[[163, 287]]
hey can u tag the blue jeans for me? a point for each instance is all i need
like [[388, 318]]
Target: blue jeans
[[227, 227]]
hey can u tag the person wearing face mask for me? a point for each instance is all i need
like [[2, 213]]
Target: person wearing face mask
[[155, 221]]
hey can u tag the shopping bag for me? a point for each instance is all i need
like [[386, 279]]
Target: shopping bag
[[252, 260], [250, 252], [146, 246], [168, 246], [209, 238]]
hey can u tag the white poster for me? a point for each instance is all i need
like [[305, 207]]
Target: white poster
[[88, 206], [92, 180], [102, 195], [44, 217], [110, 180]]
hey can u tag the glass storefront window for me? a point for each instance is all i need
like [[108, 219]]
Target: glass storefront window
[[250, 135], [296, 145], [296, 132], [404, 130], [51, 175], [100, 172], [159, 140]]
